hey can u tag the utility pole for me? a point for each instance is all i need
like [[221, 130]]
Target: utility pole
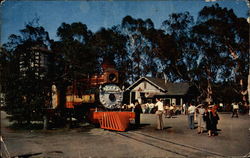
[[248, 89], [248, 86]]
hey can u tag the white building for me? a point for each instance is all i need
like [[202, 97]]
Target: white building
[[147, 89]]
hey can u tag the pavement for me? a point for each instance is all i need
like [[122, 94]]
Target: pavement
[[176, 140], [233, 138]]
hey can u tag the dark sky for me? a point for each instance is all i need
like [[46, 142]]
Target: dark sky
[[97, 14]]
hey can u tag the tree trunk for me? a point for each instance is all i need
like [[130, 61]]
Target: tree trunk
[[209, 94], [242, 91], [209, 87]]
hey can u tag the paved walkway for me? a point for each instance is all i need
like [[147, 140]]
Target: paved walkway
[[233, 138], [176, 140]]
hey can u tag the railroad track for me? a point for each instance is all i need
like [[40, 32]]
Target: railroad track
[[180, 150]]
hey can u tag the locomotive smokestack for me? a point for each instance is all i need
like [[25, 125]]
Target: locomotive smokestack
[[107, 63]]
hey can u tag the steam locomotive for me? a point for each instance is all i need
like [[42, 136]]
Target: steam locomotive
[[93, 97], [101, 90]]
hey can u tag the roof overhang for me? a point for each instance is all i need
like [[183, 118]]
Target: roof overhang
[[140, 79]]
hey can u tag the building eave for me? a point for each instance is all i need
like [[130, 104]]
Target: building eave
[[145, 78]]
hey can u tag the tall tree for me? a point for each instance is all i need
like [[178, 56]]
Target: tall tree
[[139, 47], [27, 85], [74, 56], [184, 61], [222, 36]]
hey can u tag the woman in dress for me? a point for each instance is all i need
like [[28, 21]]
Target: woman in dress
[[208, 117], [214, 120], [200, 118], [138, 111]]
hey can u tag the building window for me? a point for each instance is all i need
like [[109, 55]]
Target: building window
[[166, 101], [178, 101], [142, 95]]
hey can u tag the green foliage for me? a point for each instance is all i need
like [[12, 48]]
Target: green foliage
[[27, 93], [204, 50], [74, 57], [140, 45], [222, 45]]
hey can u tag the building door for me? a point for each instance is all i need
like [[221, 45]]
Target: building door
[[167, 101]]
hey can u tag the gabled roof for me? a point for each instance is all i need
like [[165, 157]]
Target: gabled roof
[[177, 88], [167, 87]]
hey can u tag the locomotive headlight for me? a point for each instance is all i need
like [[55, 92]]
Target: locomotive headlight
[[112, 77]]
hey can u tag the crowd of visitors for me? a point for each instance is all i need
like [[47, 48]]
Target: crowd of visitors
[[207, 118], [211, 118], [151, 108], [206, 115]]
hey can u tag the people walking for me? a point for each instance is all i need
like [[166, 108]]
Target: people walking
[[159, 112], [171, 111], [143, 107], [167, 111], [131, 107], [208, 116], [211, 117], [191, 111], [150, 106], [184, 109], [138, 111], [200, 118], [214, 120], [235, 109]]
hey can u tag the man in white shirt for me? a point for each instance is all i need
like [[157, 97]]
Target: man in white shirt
[[159, 113], [235, 109], [191, 110]]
